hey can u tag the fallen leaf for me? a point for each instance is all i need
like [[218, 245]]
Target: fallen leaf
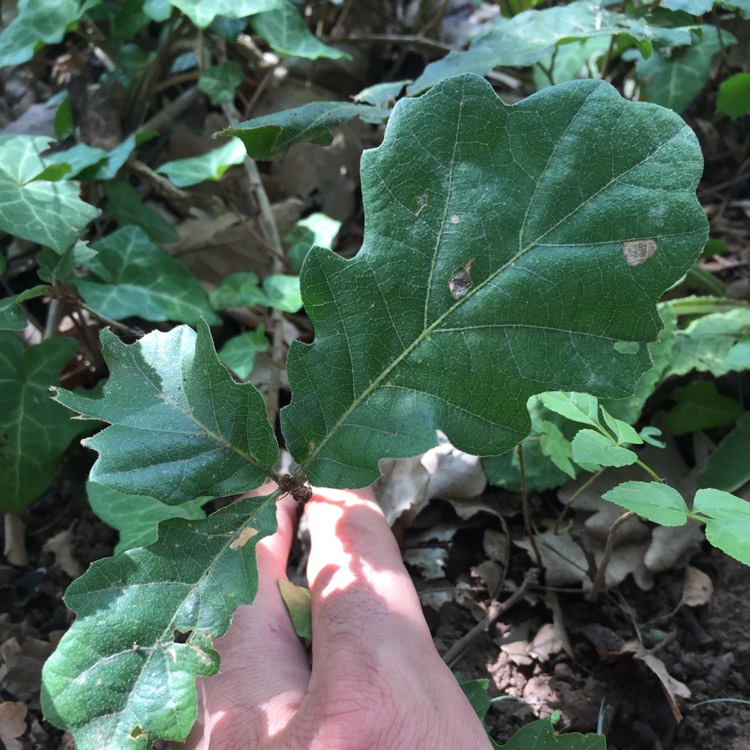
[[672, 687], [60, 545], [12, 724], [699, 589]]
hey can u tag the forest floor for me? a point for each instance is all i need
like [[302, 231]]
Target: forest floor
[[652, 668]]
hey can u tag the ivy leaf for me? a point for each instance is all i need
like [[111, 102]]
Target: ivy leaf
[[78, 157], [657, 502], [271, 135], [34, 430], [533, 35], [508, 250], [125, 205], [181, 428], [50, 213], [209, 166], [675, 80], [220, 82], [203, 12], [238, 354], [119, 674], [132, 276], [38, 22], [287, 33]]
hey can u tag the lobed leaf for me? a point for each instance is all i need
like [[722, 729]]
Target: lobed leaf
[[136, 517], [38, 210], [37, 22], [287, 33], [181, 428], [120, 677], [508, 251], [539, 735], [133, 277]]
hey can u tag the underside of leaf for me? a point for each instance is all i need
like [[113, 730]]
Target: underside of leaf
[[497, 263], [122, 675]]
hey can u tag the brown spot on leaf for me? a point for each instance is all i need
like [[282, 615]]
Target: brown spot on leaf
[[243, 537], [637, 252], [460, 281]]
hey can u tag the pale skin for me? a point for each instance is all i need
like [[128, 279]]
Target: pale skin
[[377, 682]]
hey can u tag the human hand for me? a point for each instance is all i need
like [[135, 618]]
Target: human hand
[[377, 682]]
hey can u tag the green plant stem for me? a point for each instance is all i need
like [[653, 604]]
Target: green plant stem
[[649, 471], [574, 497], [593, 595]]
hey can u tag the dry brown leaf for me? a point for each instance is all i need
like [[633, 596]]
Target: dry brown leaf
[[672, 687], [699, 589], [12, 723], [407, 485], [60, 545], [563, 559]]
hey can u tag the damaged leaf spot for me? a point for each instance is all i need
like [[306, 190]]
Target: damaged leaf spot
[[637, 252], [627, 347], [460, 281], [136, 733], [421, 203], [243, 538], [455, 219]]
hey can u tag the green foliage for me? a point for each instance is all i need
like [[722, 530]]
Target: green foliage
[[727, 467], [219, 82], [136, 517], [271, 135], [180, 428], [210, 166], [511, 235], [734, 95], [508, 251], [34, 431], [38, 22], [238, 354], [132, 276], [673, 78], [32, 207], [119, 674], [532, 36], [287, 33], [541, 736]]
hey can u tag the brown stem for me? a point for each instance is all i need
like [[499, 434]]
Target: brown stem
[[593, 595]]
